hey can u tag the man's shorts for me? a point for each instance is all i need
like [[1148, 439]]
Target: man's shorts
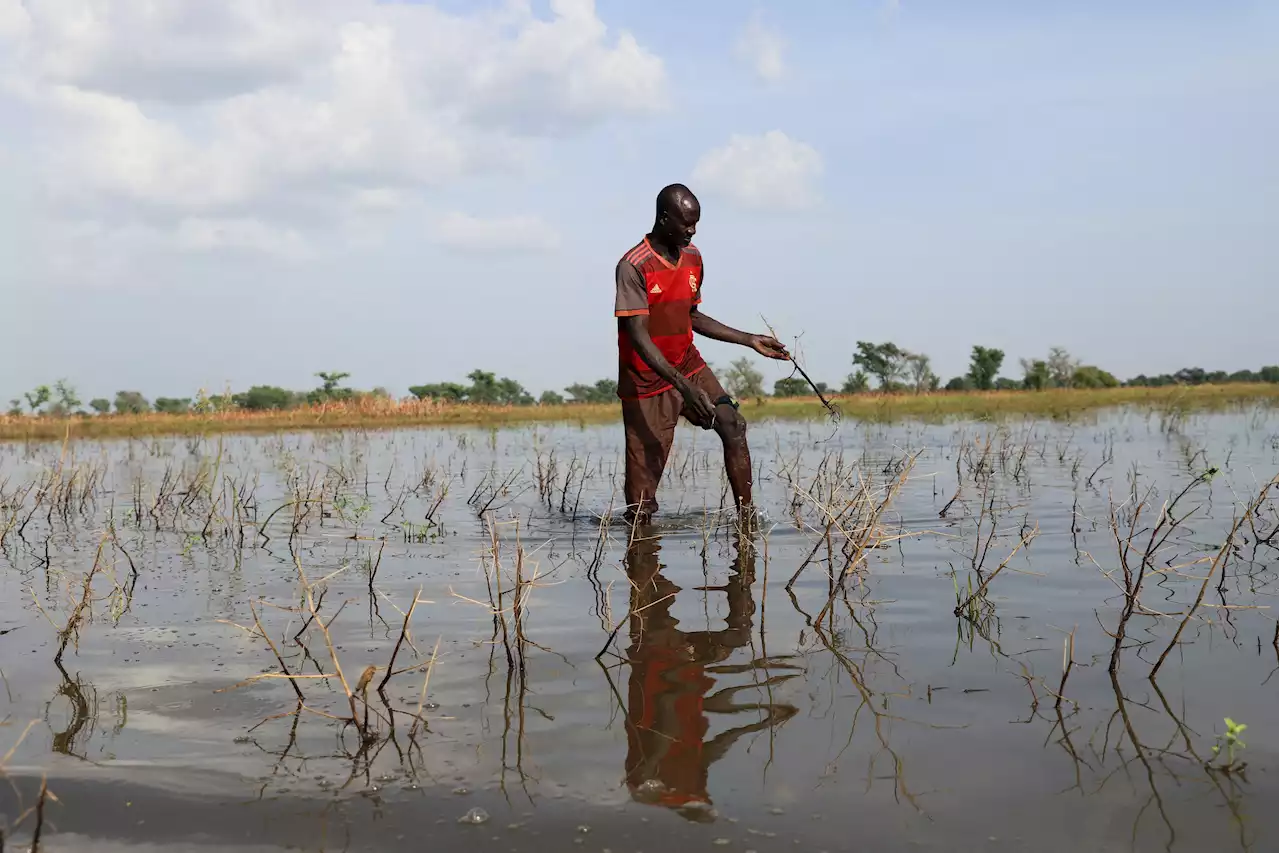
[[650, 427]]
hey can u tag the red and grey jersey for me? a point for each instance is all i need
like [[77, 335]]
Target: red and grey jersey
[[650, 284]]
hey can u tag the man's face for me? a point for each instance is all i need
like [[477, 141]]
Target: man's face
[[679, 224]]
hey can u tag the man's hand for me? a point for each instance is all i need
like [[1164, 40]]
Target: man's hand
[[698, 404], [768, 347]]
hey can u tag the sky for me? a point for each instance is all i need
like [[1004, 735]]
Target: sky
[[203, 195]]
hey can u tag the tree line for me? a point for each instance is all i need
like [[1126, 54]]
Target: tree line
[[482, 388], [892, 368], [62, 399], [895, 369], [487, 389]]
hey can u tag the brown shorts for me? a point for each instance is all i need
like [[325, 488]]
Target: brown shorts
[[650, 427]]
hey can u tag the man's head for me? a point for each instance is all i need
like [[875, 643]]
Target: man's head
[[677, 216]]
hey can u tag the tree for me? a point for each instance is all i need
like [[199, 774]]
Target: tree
[[173, 405], [1035, 374], [484, 387], [792, 386], [131, 403], [512, 393], [958, 383], [1088, 376], [604, 391], [329, 389], [1062, 368], [579, 393], [65, 399], [206, 403], [550, 398], [330, 380], [1269, 373], [855, 383], [264, 397], [448, 392], [744, 381], [1190, 376], [101, 405], [15, 408], [984, 365], [37, 398], [1003, 383], [883, 361], [918, 371]]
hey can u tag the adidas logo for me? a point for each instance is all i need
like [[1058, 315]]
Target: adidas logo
[[655, 289]]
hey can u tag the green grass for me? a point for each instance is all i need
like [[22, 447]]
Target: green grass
[[862, 407]]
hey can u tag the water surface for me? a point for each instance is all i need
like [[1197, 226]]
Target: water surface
[[849, 709]]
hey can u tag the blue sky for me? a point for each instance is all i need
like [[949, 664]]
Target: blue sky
[[411, 192]]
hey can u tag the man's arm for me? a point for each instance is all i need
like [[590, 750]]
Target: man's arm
[[636, 327], [717, 331]]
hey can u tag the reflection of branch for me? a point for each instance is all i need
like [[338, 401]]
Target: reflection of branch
[[855, 675], [1068, 746], [1230, 802], [64, 741], [1141, 756]]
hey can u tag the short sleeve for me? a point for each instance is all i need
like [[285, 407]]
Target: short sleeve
[[702, 279], [632, 298]]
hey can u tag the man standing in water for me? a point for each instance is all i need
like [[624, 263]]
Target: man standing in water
[[661, 374]]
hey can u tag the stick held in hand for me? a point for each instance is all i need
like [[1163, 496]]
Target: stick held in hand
[[830, 406]]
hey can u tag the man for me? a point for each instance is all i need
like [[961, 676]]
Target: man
[[661, 374]]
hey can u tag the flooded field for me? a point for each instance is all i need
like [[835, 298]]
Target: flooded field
[[978, 636]]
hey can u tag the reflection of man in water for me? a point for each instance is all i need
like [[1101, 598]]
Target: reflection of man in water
[[667, 760]]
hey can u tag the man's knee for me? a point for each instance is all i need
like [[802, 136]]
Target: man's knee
[[730, 423]]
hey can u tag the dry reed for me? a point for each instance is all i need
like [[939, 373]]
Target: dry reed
[[1173, 402]]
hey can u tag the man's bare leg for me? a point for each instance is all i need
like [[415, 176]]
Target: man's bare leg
[[732, 429]]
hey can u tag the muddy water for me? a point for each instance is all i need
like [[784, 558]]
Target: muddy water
[[850, 709]]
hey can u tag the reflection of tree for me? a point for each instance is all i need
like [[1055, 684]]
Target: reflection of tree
[[667, 759]]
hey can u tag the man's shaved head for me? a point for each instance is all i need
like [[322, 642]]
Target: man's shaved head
[[675, 197], [677, 215]]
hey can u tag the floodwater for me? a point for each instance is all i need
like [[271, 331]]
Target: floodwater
[[738, 706]]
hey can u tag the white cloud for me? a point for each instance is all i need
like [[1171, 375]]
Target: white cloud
[[379, 199], [242, 121], [758, 172], [508, 234], [761, 48], [14, 20], [206, 235]]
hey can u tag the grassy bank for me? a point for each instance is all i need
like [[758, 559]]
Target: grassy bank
[[378, 414]]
